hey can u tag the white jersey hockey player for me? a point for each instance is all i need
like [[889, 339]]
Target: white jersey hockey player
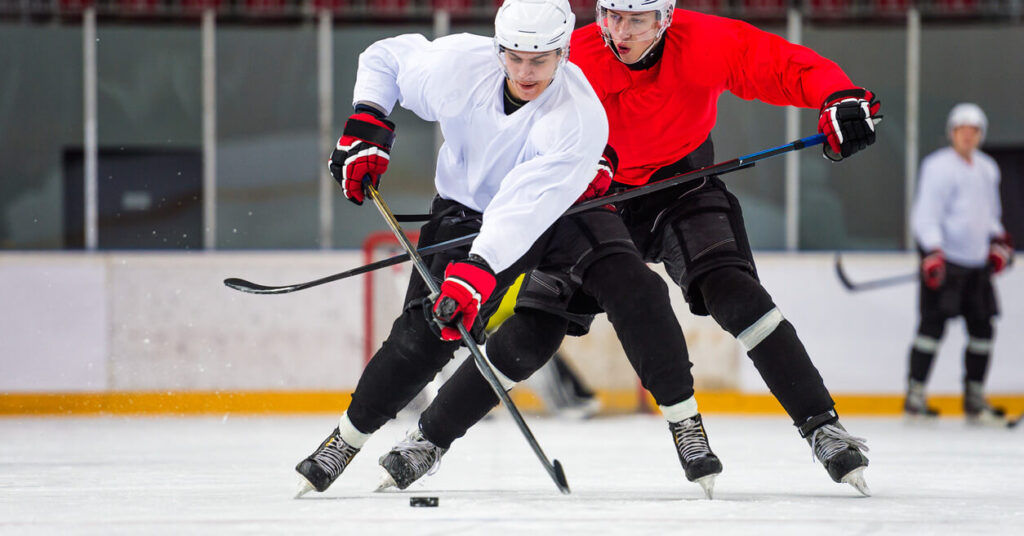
[[524, 135]]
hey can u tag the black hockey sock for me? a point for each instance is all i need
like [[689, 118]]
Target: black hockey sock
[[637, 303], [979, 348], [404, 364], [738, 302], [790, 375], [924, 346], [521, 346], [920, 365], [462, 401]]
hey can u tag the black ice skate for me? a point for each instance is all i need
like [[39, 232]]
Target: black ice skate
[[326, 463], [700, 464], [841, 455], [978, 411], [915, 406], [409, 460]]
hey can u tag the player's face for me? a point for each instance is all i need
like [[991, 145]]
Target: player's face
[[631, 33], [966, 139], [529, 73]]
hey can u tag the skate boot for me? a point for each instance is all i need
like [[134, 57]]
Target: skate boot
[[915, 406], [322, 467], [700, 464], [841, 455], [978, 411], [409, 460]]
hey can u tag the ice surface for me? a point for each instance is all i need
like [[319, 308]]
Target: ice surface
[[233, 475]]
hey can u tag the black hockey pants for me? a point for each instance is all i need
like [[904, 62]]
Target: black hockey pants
[[636, 301]]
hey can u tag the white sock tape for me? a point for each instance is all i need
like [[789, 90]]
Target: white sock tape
[[760, 330], [681, 411], [350, 433], [979, 346], [506, 382], [926, 344]]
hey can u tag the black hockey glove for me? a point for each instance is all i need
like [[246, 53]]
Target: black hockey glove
[[847, 119]]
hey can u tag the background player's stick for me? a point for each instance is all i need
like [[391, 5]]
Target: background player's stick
[[873, 284], [553, 469], [720, 168]]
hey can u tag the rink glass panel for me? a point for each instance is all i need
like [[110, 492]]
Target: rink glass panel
[[269, 148], [268, 156], [40, 115], [859, 203]]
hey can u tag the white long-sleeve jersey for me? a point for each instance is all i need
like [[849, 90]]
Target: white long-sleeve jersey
[[957, 208], [522, 170]]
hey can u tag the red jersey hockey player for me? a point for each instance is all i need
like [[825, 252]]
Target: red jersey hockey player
[[659, 72]]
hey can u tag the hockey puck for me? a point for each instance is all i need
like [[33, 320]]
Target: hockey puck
[[425, 502]]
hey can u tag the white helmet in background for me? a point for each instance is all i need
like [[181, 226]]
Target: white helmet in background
[[662, 9], [967, 114], [534, 26]]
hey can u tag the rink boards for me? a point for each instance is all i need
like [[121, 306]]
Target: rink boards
[[159, 333]]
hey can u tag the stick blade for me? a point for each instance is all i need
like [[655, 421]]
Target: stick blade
[[254, 288], [560, 480], [842, 275]]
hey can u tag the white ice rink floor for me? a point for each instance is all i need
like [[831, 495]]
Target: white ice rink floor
[[234, 475]]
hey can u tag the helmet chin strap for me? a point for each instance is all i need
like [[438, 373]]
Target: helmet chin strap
[[615, 50]]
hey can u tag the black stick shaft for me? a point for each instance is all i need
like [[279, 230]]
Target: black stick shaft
[[554, 470], [721, 168], [873, 284]]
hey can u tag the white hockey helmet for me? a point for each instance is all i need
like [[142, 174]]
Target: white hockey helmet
[[967, 114], [534, 26], [662, 9]]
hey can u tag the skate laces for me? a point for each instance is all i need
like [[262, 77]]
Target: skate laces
[[334, 454], [691, 442], [832, 439], [423, 456]]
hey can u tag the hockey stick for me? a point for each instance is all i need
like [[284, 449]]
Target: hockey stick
[[873, 284], [720, 168], [553, 469]]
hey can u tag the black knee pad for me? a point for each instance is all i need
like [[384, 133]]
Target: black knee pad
[[980, 328], [623, 279], [414, 340], [734, 298], [525, 342]]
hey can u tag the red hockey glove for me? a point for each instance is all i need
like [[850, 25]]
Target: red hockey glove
[[847, 119], [605, 172], [467, 284], [933, 269], [1000, 252], [363, 151]]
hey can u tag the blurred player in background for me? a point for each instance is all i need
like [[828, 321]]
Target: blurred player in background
[[962, 242]]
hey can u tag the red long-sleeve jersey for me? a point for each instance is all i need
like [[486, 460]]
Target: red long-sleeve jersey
[[659, 115]]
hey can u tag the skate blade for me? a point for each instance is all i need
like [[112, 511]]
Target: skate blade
[[855, 478], [989, 421], [707, 483], [304, 488], [386, 482]]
